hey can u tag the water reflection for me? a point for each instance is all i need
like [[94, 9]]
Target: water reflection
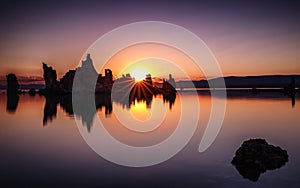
[[248, 115], [127, 98], [86, 112], [12, 103], [142, 91], [170, 98], [267, 93], [50, 108], [128, 93]]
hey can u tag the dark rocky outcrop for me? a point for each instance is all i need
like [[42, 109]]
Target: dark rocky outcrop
[[142, 91], [66, 82], [86, 77], [12, 84], [126, 91], [255, 156], [12, 93], [88, 80], [169, 93], [52, 85]]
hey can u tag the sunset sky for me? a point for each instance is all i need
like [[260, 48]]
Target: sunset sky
[[246, 37]]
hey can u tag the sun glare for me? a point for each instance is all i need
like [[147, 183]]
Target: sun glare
[[138, 74]]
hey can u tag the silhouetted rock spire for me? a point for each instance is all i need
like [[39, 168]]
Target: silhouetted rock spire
[[50, 76], [12, 84], [12, 93], [172, 81]]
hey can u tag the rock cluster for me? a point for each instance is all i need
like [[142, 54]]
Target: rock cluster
[[87, 76], [255, 156]]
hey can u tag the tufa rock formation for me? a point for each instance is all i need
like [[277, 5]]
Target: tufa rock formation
[[12, 84], [86, 76], [255, 156], [50, 76], [85, 81], [66, 82], [12, 93]]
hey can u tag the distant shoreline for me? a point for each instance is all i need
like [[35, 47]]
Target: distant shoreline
[[231, 82]]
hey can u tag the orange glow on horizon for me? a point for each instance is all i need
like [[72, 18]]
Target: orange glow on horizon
[[151, 58]]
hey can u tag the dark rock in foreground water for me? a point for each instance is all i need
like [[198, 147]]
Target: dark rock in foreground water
[[255, 156]]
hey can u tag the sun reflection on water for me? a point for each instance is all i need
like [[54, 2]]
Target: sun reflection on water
[[140, 111]]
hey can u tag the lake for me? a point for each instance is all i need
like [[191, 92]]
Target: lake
[[41, 145]]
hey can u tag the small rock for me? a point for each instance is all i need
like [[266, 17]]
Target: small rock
[[32, 92], [255, 156]]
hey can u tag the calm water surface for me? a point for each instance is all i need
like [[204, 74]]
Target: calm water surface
[[40, 144]]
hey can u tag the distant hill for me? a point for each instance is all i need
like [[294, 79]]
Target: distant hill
[[26, 82], [270, 81], [27, 86]]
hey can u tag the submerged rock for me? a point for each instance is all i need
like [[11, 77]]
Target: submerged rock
[[255, 156]]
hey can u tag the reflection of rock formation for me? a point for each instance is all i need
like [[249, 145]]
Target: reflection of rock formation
[[104, 100], [170, 98], [65, 102], [290, 90], [142, 91], [50, 108], [12, 103], [85, 106], [169, 92], [12, 93], [121, 90], [12, 84], [255, 156], [126, 91]]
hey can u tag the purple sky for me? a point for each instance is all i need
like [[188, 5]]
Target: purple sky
[[247, 37]]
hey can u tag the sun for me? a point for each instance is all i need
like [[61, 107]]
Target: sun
[[138, 74]]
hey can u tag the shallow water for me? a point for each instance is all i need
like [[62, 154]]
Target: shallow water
[[50, 151]]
